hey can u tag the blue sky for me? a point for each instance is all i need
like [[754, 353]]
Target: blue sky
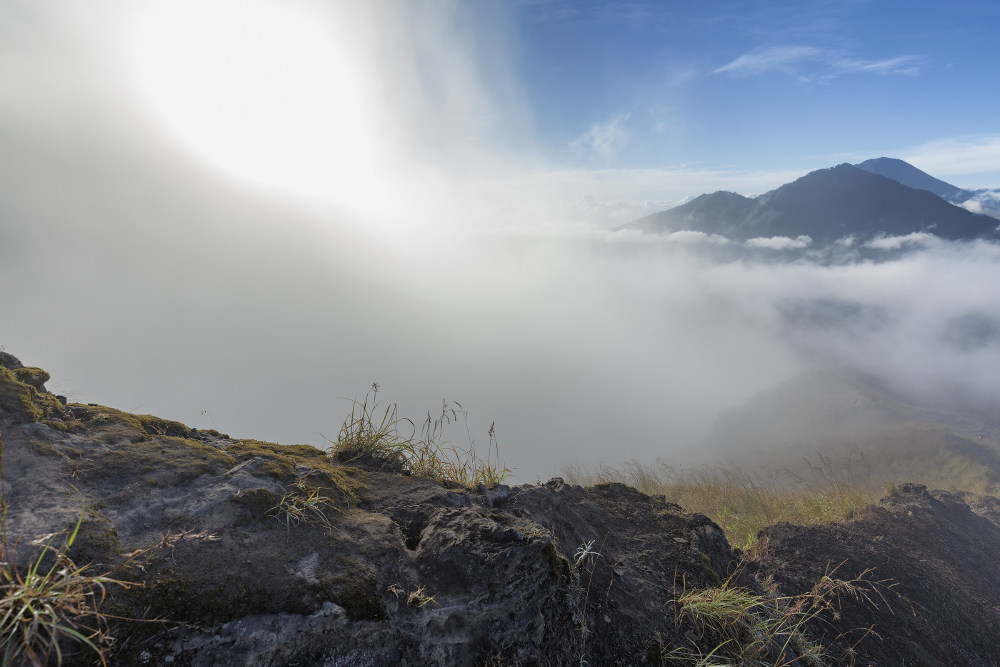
[[524, 110], [759, 86]]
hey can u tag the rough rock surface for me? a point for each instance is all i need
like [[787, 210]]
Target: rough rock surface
[[940, 561], [251, 553], [388, 569]]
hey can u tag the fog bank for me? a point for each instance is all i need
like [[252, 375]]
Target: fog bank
[[149, 277]]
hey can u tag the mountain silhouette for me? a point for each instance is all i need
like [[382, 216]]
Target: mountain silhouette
[[826, 205], [907, 174]]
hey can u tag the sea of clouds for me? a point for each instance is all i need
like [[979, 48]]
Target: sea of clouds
[[146, 279]]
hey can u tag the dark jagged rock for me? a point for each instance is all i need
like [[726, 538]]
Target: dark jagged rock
[[938, 560], [9, 361], [389, 570], [248, 552]]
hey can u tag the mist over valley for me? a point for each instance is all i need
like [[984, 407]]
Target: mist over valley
[[584, 346], [184, 248]]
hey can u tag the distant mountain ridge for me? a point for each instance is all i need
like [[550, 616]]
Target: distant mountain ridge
[[984, 201], [907, 174], [826, 205]]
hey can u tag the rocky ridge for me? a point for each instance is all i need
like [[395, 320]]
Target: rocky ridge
[[246, 552]]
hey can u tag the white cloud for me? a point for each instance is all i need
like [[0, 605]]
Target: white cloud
[[897, 242], [614, 211], [577, 193], [691, 236], [986, 202], [603, 140], [780, 242], [974, 157]]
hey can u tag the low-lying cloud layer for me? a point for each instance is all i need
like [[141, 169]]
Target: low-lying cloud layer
[[582, 347], [780, 242], [146, 279]]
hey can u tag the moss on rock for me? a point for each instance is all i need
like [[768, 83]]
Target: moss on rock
[[21, 401], [158, 426], [173, 595], [259, 501], [178, 460], [32, 375], [361, 601], [111, 425], [290, 462], [217, 582], [96, 540]]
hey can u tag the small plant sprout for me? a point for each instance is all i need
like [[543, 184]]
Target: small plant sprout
[[419, 598], [303, 504], [584, 552]]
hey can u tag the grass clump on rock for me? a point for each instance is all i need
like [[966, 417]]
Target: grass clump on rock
[[742, 627], [48, 603], [375, 432]]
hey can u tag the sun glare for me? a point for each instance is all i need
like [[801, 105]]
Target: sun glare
[[265, 92]]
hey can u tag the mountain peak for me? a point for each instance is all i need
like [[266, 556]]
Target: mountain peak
[[826, 205], [907, 174]]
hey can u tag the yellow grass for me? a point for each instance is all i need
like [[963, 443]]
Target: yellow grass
[[742, 501]]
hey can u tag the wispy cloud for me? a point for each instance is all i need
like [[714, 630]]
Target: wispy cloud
[[897, 242], [781, 58], [812, 62], [692, 236], [905, 65], [958, 156], [604, 139]]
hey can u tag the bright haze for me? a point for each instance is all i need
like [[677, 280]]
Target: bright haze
[[241, 213]]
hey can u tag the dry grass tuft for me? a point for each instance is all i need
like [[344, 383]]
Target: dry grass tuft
[[304, 505], [375, 431]]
